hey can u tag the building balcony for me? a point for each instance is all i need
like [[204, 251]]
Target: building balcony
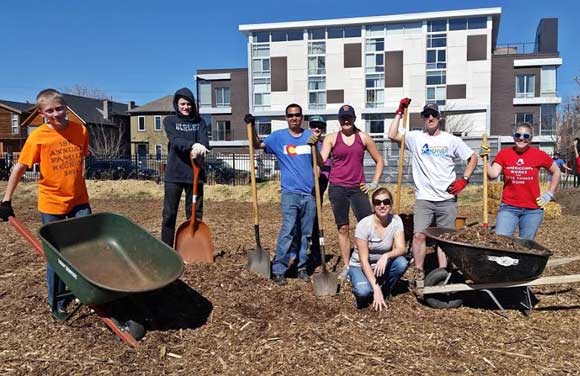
[[215, 110], [537, 100]]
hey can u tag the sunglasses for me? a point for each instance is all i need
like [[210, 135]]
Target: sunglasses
[[522, 136], [317, 126], [386, 202], [295, 114], [430, 113]]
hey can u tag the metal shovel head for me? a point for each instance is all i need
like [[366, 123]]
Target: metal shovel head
[[325, 283], [194, 246], [259, 262]]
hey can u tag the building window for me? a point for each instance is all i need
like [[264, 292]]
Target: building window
[[477, 23], [141, 123], [157, 121], [375, 90], [436, 62], [316, 74], [524, 117], [222, 97], [525, 86], [316, 34], [222, 131], [375, 66], [158, 151], [207, 119], [548, 119], [548, 82], [261, 79], [15, 128], [264, 127], [375, 124], [457, 24], [204, 94]]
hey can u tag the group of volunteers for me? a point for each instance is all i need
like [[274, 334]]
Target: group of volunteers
[[378, 259]]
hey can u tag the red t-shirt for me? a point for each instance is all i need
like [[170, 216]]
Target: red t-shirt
[[578, 164], [521, 186]]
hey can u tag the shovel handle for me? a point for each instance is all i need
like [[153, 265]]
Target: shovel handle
[[401, 162], [250, 130], [196, 170], [26, 234], [485, 182], [318, 206]]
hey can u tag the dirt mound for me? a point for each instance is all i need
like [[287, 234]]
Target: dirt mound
[[569, 199]]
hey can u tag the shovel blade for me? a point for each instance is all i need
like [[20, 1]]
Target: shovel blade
[[259, 262], [194, 246], [325, 283]]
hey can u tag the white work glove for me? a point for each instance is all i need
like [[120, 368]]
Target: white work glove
[[543, 200], [197, 150], [368, 187]]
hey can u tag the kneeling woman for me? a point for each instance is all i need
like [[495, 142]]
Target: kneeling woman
[[377, 262]]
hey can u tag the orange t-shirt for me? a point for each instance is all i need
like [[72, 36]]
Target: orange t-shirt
[[60, 154]]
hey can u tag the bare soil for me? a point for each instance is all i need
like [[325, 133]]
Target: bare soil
[[220, 319], [484, 237]]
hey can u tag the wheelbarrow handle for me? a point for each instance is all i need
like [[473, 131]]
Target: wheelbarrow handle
[[26, 234]]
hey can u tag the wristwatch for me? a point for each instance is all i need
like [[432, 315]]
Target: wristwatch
[[466, 178]]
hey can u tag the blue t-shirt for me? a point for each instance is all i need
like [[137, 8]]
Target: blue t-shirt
[[295, 159]]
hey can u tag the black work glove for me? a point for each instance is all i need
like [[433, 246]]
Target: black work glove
[[249, 118], [6, 210]]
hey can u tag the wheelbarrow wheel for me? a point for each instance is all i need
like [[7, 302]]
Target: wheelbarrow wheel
[[135, 329], [437, 277]]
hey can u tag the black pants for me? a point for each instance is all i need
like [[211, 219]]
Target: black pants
[[315, 255], [171, 198]]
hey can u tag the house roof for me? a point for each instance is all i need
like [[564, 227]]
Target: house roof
[[91, 110], [161, 105], [18, 106]]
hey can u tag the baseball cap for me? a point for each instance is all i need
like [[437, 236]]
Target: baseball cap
[[430, 108], [346, 111], [316, 119]]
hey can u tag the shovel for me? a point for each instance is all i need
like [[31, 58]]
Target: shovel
[[325, 282], [485, 218], [193, 237], [406, 218], [258, 258]]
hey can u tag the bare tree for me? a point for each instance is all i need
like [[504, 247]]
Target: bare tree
[[106, 141], [456, 122], [86, 91], [568, 128]]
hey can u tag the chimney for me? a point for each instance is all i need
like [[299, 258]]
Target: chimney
[[130, 105], [106, 109]]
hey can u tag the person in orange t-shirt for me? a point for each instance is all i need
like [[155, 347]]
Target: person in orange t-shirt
[[60, 147]]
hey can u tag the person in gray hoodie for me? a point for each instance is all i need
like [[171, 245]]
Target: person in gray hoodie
[[188, 138]]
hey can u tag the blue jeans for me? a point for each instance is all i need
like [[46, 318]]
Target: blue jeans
[[527, 220], [78, 211], [298, 209], [362, 289]]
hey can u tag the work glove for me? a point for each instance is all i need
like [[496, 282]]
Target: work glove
[[368, 187], [249, 118], [404, 103], [484, 151], [313, 140], [543, 200], [6, 210], [457, 186], [197, 150]]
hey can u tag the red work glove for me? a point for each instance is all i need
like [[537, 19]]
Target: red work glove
[[457, 186], [404, 103]]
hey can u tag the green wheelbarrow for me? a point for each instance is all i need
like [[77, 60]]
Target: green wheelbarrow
[[102, 258]]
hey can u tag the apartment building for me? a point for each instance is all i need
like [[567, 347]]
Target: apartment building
[[447, 57]]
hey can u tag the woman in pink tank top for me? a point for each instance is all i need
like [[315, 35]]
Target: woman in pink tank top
[[347, 187]]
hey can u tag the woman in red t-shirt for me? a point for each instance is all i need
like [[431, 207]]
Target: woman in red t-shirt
[[522, 205]]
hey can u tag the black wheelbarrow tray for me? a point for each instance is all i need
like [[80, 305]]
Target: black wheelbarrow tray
[[105, 257], [485, 268]]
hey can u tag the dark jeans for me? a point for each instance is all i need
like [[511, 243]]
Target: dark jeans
[[171, 199], [82, 210]]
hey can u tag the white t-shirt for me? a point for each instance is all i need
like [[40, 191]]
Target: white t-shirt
[[378, 246], [432, 162]]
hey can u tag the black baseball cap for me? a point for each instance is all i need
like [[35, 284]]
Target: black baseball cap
[[430, 108]]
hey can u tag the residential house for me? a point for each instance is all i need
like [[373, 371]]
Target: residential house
[[12, 135], [107, 122], [147, 134]]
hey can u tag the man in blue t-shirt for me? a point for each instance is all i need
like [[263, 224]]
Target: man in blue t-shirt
[[297, 182]]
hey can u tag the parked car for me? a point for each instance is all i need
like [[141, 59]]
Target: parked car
[[121, 168], [220, 173]]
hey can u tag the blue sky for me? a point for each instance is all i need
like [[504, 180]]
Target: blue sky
[[136, 50]]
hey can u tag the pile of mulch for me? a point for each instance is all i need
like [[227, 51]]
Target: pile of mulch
[[478, 236], [569, 199], [220, 319]]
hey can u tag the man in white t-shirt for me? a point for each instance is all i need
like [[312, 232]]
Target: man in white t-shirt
[[436, 188]]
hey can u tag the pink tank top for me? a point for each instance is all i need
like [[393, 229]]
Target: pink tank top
[[347, 162]]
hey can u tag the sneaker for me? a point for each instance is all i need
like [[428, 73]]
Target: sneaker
[[279, 279], [344, 274], [303, 275], [59, 314]]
